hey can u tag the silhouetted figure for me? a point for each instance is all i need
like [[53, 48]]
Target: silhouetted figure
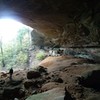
[[11, 72]]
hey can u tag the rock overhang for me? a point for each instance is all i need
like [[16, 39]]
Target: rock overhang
[[66, 21]]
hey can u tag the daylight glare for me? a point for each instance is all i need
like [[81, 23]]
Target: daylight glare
[[9, 29]]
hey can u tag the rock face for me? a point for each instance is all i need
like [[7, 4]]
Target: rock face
[[66, 21]]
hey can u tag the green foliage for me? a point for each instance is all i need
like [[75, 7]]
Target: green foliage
[[15, 53], [23, 34], [22, 57], [40, 55]]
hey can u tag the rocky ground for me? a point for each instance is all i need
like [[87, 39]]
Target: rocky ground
[[55, 78]]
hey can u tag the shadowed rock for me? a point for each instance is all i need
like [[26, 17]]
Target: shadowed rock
[[68, 95], [11, 92], [91, 79], [33, 74]]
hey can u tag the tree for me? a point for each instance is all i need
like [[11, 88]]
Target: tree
[[21, 34], [2, 55], [16, 52]]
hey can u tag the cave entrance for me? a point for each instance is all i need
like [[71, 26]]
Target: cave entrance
[[15, 41]]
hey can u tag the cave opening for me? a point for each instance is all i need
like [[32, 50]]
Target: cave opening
[[15, 41]]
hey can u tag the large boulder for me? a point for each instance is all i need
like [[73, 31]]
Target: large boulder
[[33, 74], [29, 83], [33, 83]]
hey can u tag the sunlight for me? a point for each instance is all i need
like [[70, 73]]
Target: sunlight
[[9, 29]]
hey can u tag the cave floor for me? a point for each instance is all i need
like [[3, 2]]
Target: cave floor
[[63, 71]]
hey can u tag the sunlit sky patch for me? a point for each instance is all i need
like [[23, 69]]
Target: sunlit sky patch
[[9, 29]]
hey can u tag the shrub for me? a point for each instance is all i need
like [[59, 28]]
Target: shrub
[[40, 55]]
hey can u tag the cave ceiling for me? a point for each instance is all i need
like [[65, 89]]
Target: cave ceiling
[[61, 21]]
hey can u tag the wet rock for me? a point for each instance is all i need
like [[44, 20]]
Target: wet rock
[[33, 74], [91, 79]]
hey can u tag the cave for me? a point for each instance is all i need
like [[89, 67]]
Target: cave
[[66, 34]]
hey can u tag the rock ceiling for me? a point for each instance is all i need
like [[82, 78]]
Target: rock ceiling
[[61, 21]]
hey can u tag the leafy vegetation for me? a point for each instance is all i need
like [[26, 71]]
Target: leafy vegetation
[[15, 53], [40, 55]]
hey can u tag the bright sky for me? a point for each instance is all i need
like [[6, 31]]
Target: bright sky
[[8, 29]]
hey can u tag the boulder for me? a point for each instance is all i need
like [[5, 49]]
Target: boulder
[[33, 74], [42, 70], [28, 84], [91, 79], [31, 83]]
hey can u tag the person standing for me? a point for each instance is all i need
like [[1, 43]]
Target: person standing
[[11, 73]]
